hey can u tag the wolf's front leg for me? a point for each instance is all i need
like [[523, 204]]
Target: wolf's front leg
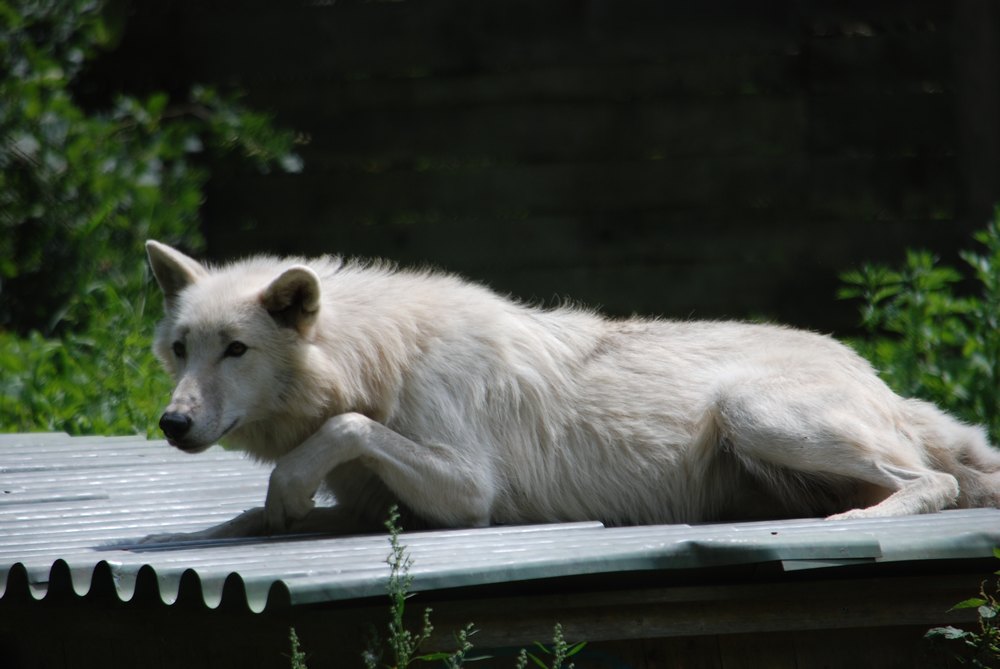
[[436, 482], [248, 524]]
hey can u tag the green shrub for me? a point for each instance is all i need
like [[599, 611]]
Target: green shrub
[[80, 190], [100, 379], [979, 648], [933, 331]]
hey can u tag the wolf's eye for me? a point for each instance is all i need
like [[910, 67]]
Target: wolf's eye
[[179, 349], [235, 349]]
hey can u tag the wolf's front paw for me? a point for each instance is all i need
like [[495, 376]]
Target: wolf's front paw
[[163, 538], [289, 498], [170, 538], [250, 523]]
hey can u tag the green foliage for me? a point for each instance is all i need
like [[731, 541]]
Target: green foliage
[[927, 338], [99, 379], [80, 190], [980, 648]]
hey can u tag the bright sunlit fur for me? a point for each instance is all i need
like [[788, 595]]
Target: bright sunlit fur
[[470, 408]]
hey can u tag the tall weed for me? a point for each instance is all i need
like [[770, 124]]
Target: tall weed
[[402, 645]]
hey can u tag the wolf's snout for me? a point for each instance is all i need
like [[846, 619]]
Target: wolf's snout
[[175, 425]]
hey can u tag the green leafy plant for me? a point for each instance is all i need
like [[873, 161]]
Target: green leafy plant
[[932, 336], [81, 187], [981, 647]]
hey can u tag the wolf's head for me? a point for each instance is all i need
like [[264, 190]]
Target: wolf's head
[[227, 337]]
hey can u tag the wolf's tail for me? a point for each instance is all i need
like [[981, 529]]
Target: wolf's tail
[[961, 450]]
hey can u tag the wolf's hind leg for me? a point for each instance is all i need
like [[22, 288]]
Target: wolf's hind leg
[[914, 491], [436, 482], [834, 441]]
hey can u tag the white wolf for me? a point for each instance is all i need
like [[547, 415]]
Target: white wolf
[[468, 409]]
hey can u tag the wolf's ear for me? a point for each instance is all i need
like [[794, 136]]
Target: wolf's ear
[[173, 270], [292, 298]]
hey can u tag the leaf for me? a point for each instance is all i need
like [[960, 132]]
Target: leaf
[[537, 661], [576, 649], [947, 632], [291, 163], [433, 657], [971, 603]]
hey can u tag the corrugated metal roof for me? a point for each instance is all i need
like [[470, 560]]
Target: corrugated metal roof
[[70, 508]]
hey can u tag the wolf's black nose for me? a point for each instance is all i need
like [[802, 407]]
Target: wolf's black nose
[[175, 425]]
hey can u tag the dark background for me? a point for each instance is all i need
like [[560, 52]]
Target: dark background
[[719, 158]]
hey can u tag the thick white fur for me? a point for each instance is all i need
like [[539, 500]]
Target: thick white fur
[[469, 409]]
